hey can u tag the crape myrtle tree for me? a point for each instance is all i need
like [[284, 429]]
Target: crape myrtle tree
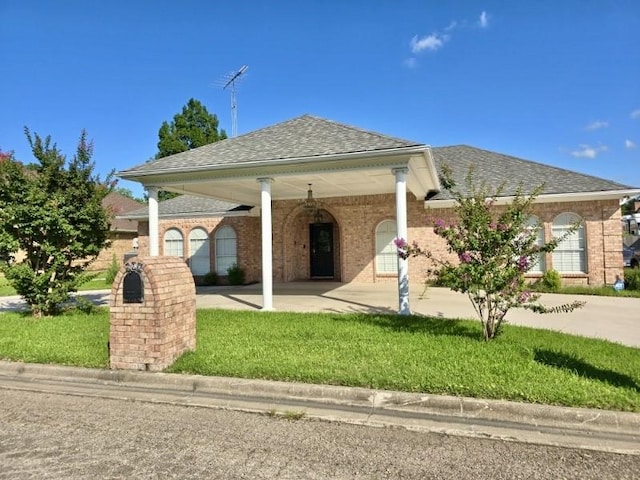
[[52, 223], [193, 128], [494, 247]]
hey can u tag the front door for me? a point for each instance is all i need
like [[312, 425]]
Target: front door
[[321, 241]]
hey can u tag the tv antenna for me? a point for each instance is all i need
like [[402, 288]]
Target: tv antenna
[[231, 80]]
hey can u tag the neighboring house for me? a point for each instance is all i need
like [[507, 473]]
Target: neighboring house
[[324, 200], [122, 232]]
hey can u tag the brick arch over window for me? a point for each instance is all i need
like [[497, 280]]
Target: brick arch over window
[[199, 258], [226, 248], [570, 256], [173, 243], [386, 250]]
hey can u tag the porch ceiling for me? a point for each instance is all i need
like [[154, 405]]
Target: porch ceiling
[[335, 177]]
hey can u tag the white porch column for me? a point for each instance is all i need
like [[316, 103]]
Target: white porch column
[[401, 222], [267, 244], [154, 242]]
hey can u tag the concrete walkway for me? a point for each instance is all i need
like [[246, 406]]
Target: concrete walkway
[[611, 318]]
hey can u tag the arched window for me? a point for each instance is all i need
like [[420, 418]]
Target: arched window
[[173, 243], [226, 255], [533, 224], [386, 250], [199, 251], [570, 254]]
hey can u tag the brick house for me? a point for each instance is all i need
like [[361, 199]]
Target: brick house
[[315, 199], [123, 231]]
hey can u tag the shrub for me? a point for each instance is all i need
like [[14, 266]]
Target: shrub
[[112, 270], [551, 280], [236, 275], [495, 247], [211, 278], [632, 278]]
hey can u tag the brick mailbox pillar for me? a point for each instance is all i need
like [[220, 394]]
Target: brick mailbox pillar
[[152, 313]]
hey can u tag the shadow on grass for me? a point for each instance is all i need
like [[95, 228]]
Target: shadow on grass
[[569, 362], [419, 324]]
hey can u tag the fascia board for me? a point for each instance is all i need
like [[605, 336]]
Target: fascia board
[[549, 198], [265, 167]]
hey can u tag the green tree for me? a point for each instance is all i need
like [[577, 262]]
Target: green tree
[[125, 192], [193, 128], [628, 207], [494, 247], [52, 224]]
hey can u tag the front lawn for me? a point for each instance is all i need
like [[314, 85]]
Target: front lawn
[[97, 283], [415, 354]]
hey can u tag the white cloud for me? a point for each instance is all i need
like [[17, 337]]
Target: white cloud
[[628, 144], [483, 21], [635, 114], [438, 38], [451, 26], [431, 42], [596, 125], [587, 151]]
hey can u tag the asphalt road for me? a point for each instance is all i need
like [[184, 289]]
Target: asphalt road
[[53, 436]]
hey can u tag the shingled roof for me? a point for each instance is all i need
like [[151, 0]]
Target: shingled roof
[[301, 137], [495, 168], [117, 204], [186, 206]]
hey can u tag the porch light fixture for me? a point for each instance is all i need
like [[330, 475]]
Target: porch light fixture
[[312, 206]]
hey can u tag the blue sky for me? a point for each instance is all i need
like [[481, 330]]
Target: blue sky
[[555, 82]]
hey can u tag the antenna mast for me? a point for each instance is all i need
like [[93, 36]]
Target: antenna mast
[[234, 104]]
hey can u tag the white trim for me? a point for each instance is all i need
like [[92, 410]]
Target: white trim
[[318, 159], [548, 198]]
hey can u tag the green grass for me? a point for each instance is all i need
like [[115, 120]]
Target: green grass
[[70, 339], [97, 283], [412, 354], [598, 291], [418, 355]]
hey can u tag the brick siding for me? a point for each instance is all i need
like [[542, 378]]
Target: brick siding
[[152, 334], [355, 220]]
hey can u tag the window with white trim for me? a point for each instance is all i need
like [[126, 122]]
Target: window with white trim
[[570, 254], [173, 243], [386, 250], [226, 254], [534, 225], [199, 261]]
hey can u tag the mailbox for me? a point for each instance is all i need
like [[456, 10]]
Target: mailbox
[[132, 288], [152, 313], [132, 283]]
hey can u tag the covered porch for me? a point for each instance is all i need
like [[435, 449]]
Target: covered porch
[[310, 179]]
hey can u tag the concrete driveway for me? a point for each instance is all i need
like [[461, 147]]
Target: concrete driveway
[[612, 318]]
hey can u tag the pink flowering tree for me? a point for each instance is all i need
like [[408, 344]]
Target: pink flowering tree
[[494, 248]]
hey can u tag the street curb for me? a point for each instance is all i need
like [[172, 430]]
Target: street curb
[[378, 402]]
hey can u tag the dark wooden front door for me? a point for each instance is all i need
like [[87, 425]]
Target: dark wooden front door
[[321, 241]]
